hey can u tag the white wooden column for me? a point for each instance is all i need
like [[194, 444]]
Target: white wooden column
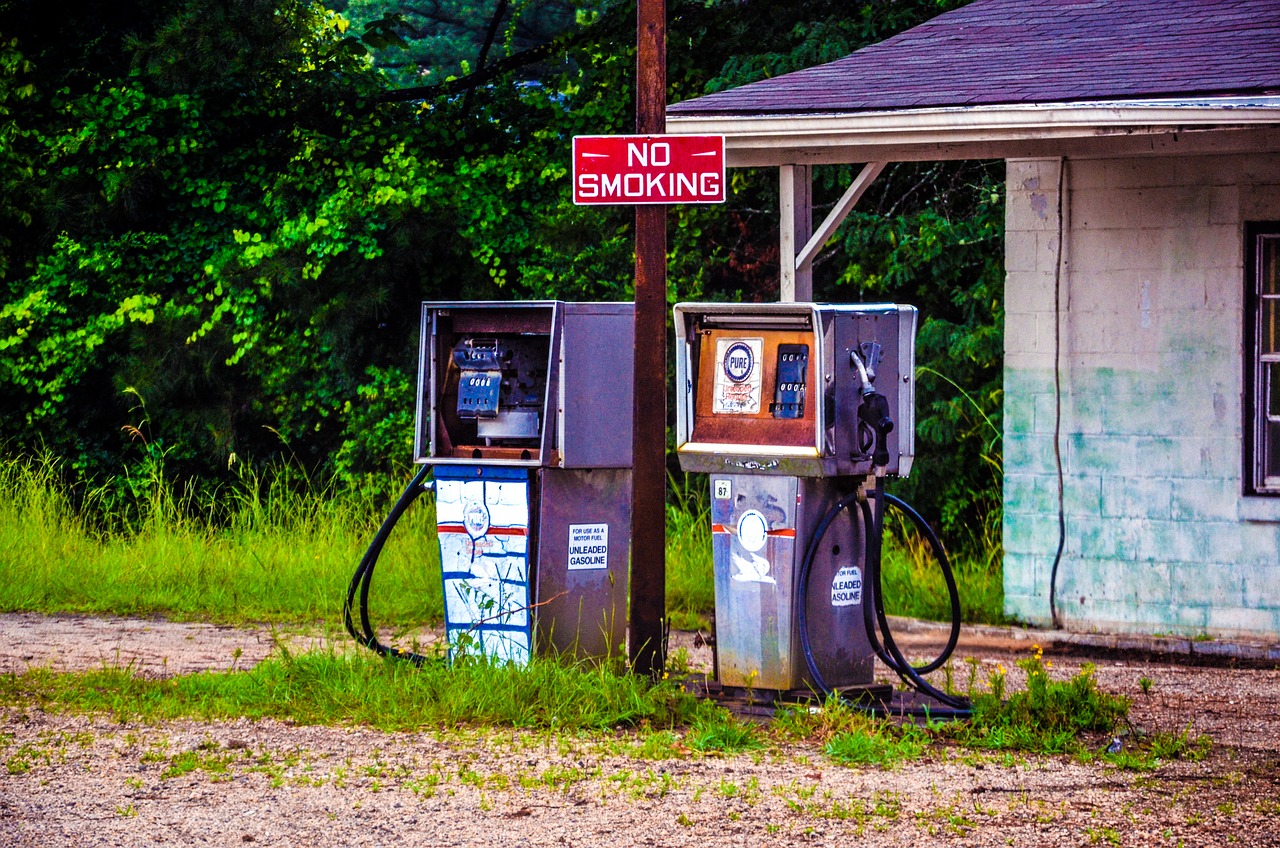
[[795, 193]]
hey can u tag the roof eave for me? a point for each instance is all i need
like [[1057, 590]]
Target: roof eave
[[986, 131]]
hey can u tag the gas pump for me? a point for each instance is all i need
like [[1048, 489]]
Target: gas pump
[[798, 412], [520, 407]]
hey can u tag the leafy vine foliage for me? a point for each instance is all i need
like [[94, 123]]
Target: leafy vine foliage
[[224, 208]]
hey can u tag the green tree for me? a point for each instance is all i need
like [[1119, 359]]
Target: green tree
[[230, 211]]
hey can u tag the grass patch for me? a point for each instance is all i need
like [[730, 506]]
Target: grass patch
[[879, 744], [1048, 716], [362, 688], [716, 730], [580, 702]]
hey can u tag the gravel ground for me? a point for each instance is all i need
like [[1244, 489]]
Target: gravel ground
[[89, 781]]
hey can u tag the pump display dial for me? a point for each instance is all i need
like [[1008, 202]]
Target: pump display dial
[[793, 371]]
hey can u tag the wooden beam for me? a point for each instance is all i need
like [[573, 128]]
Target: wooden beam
[[804, 260]]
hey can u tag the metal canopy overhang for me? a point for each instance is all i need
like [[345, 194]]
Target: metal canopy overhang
[[1011, 131]]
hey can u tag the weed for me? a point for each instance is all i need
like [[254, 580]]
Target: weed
[[561, 778], [1047, 716], [715, 729], [425, 786], [1109, 835], [198, 759], [659, 745], [1148, 752], [881, 743]]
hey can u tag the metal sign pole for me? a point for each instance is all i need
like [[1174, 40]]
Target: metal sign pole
[[649, 437]]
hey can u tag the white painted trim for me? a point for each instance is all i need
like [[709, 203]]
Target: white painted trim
[[1260, 508], [976, 124]]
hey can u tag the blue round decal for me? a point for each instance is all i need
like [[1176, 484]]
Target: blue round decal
[[738, 362]]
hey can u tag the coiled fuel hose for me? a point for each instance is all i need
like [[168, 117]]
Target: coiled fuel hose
[[364, 575], [874, 619]]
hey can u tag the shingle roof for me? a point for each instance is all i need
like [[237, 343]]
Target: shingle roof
[[1042, 51]]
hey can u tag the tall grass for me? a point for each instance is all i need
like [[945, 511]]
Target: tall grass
[[271, 548], [913, 584], [690, 580], [275, 547]]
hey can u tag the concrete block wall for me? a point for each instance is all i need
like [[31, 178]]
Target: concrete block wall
[[1150, 292]]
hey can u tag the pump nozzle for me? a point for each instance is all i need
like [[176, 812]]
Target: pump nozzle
[[875, 412]]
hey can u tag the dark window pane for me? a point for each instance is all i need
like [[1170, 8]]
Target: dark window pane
[[1271, 452], [1269, 331], [1272, 388], [1269, 266]]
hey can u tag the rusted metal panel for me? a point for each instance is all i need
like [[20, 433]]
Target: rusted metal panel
[[584, 532]]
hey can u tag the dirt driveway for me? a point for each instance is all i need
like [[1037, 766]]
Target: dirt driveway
[[75, 781]]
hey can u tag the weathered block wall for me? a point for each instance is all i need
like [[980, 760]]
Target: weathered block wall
[[1159, 537]]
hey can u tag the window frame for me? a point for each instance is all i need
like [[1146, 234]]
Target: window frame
[[1256, 400]]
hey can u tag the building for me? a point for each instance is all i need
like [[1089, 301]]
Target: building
[[1142, 339]]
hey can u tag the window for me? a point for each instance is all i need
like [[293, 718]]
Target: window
[[1262, 367]]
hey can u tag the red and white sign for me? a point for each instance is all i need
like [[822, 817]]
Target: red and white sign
[[613, 170]]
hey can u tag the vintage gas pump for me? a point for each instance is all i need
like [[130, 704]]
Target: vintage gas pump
[[797, 411], [520, 411]]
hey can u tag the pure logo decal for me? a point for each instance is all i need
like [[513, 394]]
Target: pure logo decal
[[737, 379], [739, 362], [475, 519]]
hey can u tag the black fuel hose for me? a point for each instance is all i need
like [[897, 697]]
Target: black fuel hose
[[874, 618], [944, 565], [909, 674], [364, 575]]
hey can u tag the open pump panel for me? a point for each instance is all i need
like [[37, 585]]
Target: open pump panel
[[775, 388], [525, 384], [524, 410]]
